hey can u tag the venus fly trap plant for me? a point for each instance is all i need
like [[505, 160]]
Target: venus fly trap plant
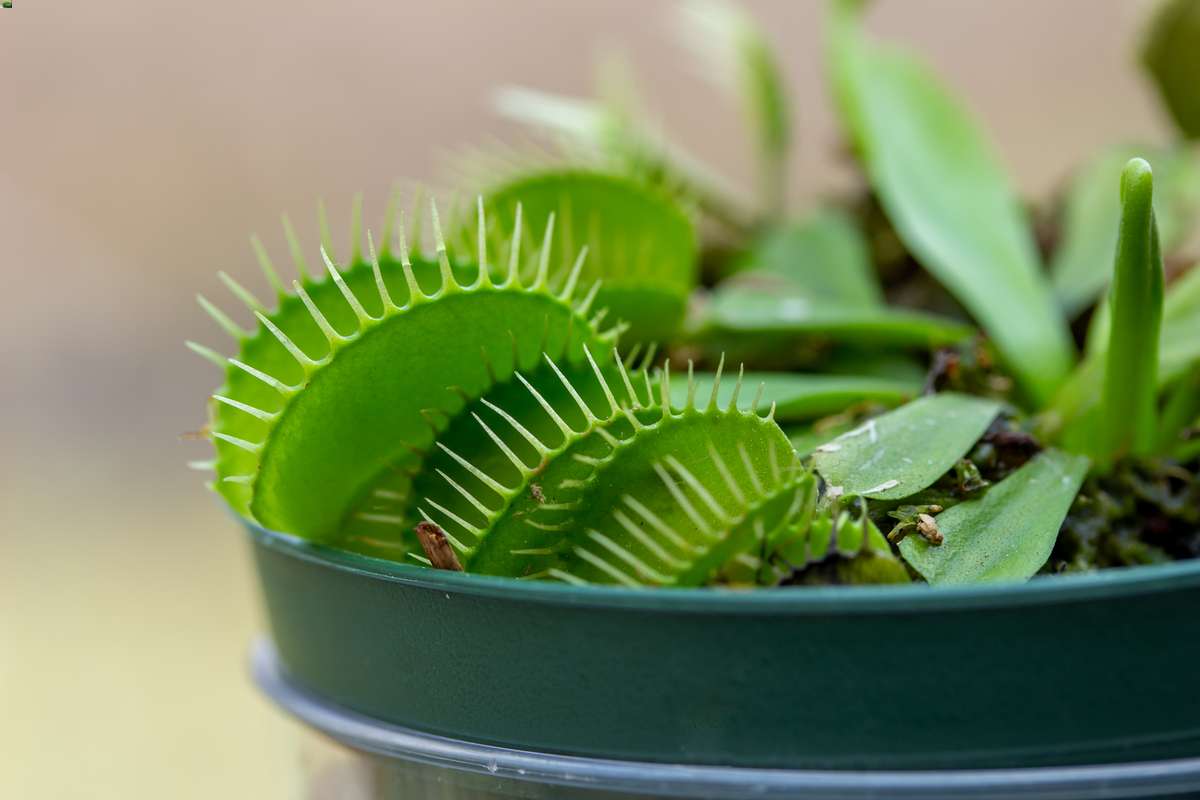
[[548, 391]]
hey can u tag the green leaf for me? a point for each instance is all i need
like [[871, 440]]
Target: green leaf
[[1181, 328], [904, 451], [736, 54], [798, 396], [1009, 532], [1171, 54], [348, 380], [807, 438], [628, 492], [1074, 414], [824, 255], [613, 131], [768, 320], [1191, 449], [1131, 372], [1082, 264], [1181, 322], [849, 542], [878, 364], [950, 201], [641, 244], [1180, 412]]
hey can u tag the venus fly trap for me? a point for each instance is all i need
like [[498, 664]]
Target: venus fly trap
[[550, 391]]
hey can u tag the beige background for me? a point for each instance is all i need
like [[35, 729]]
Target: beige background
[[140, 143]]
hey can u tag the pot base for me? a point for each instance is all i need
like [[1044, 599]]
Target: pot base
[[407, 763]]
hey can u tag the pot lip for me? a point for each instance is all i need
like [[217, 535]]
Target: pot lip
[[808, 601], [366, 734]]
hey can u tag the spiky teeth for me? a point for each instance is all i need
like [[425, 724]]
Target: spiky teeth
[[355, 374], [836, 540], [641, 239], [614, 485]]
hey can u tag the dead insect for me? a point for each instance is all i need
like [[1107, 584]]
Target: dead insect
[[535, 491], [916, 519], [928, 528]]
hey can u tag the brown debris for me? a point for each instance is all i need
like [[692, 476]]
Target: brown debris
[[928, 528], [437, 547]]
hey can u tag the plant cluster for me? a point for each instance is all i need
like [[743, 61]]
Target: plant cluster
[[543, 388]]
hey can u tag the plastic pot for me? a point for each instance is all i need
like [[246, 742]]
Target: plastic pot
[[1071, 670], [364, 758]]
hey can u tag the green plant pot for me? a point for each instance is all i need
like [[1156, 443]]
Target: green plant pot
[[351, 755], [1083, 669]]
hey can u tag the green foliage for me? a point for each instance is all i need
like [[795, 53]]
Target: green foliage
[[1009, 532], [844, 546], [382, 523], [949, 200], [904, 451], [822, 256], [1082, 263], [749, 321], [468, 407], [1180, 415], [609, 130], [639, 494], [640, 243], [1131, 370], [737, 55], [1170, 52], [290, 425], [798, 396], [1074, 415]]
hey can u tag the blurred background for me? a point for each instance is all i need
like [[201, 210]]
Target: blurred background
[[141, 144]]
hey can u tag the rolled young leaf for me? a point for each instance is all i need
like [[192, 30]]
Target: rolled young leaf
[[904, 451], [949, 200], [1074, 414], [1082, 263], [1009, 532], [1136, 303]]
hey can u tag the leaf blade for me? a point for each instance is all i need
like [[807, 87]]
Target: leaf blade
[[825, 254], [783, 315], [904, 451], [1008, 533], [949, 200], [641, 241]]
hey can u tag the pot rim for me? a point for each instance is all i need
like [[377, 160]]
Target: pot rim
[[366, 734], [820, 600]]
